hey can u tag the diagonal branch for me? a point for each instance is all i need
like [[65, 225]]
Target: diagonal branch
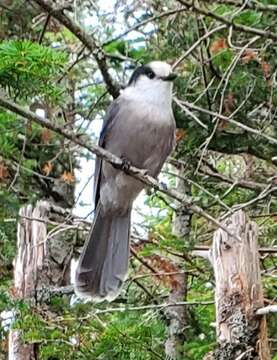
[[191, 5], [145, 22], [86, 39], [97, 311], [230, 120], [112, 159], [247, 184], [197, 43], [252, 5]]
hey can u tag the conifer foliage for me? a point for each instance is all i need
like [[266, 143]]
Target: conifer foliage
[[65, 62]]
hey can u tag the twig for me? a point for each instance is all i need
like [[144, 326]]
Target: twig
[[144, 22], [78, 59], [205, 90], [230, 120], [267, 191], [189, 181], [225, 79], [137, 308], [4, 7], [203, 68], [215, 197], [247, 29], [189, 113], [20, 160], [44, 28], [153, 307], [86, 39], [248, 5], [197, 43], [241, 356], [140, 259], [228, 72], [56, 291], [267, 310], [262, 250], [234, 182], [172, 273]]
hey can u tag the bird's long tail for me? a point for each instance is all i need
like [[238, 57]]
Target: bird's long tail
[[103, 264]]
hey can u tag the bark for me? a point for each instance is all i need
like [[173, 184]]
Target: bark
[[39, 264], [241, 334], [176, 315]]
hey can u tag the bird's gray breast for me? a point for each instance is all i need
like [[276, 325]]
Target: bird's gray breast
[[143, 134]]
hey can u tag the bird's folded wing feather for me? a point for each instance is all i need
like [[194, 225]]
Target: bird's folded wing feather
[[110, 117]]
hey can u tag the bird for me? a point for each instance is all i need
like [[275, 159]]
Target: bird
[[139, 127]]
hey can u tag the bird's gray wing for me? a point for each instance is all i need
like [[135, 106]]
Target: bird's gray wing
[[107, 124]]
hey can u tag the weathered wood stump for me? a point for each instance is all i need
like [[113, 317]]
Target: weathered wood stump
[[241, 333], [31, 249], [40, 263]]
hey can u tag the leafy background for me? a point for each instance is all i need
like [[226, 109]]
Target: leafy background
[[44, 66]]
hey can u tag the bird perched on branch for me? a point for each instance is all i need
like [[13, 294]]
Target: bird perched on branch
[[139, 128]]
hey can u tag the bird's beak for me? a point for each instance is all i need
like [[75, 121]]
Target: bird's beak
[[170, 77]]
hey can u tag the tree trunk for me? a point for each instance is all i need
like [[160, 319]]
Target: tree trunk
[[176, 315], [241, 334], [39, 264]]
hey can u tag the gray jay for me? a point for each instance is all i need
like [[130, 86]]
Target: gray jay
[[139, 127]]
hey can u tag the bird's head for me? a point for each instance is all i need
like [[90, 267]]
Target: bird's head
[[153, 80], [152, 73]]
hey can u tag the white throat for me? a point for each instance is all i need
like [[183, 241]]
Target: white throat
[[158, 94]]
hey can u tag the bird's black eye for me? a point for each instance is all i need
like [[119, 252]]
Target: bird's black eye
[[141, 71], [150, 74]]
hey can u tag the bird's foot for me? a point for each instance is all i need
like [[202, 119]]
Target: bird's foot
[[164, 185], [125, 165], [144, 172]]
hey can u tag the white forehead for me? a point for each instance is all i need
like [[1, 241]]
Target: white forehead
[[160, 68]]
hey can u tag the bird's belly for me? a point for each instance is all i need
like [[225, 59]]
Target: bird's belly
[[142, 135], [145, 148], [118, 191], [145, 143]]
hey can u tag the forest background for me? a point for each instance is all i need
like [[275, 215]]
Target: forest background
[[66, 61]]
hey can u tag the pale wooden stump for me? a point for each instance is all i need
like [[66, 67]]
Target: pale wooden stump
[[28, 266], [40, 264], [241, 334]]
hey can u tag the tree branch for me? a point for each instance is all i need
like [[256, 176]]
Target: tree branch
[[86, 39], [197, 43], [230, 120], [247, 29], [153, 306], [267, 310], [247, 4], [247, 184], [112, 159], [262, 250], [144, 22]]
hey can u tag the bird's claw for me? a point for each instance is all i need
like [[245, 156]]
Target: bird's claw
[[126, 164], [144, 172], [164, 185]]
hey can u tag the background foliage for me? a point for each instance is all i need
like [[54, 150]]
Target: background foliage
[[45, 67]]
